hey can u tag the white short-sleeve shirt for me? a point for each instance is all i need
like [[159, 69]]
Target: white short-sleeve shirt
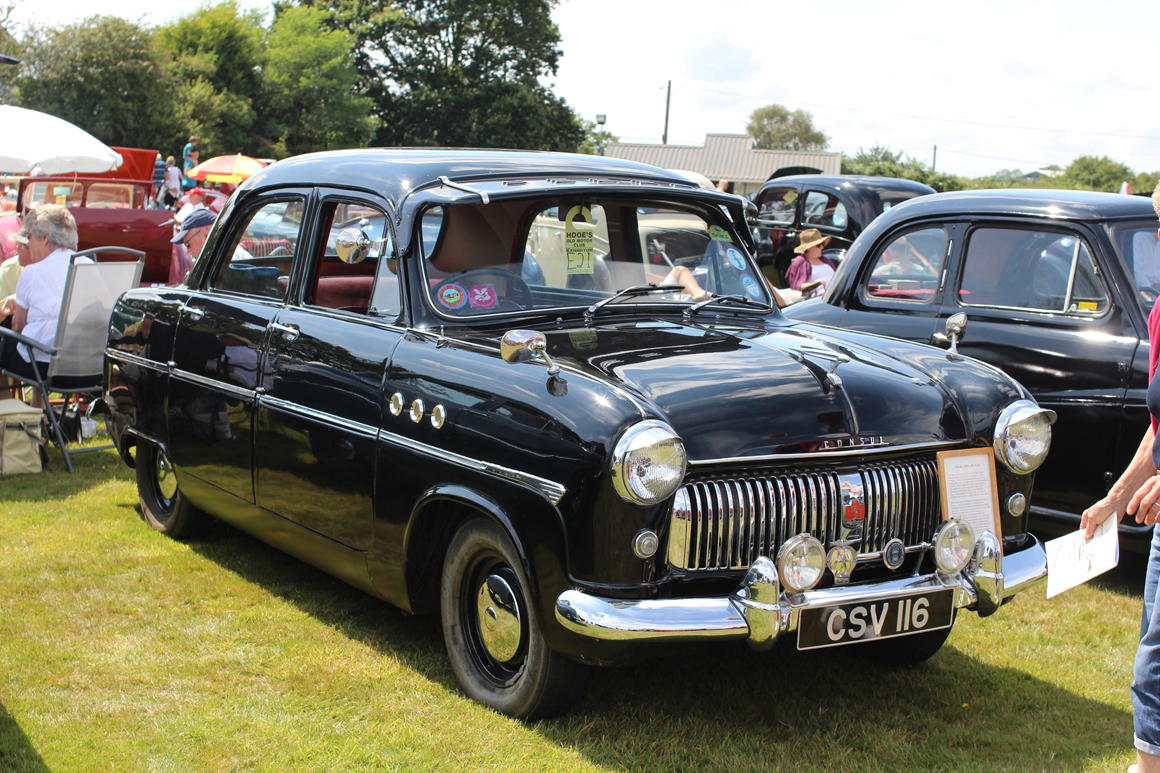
[[40, 291]]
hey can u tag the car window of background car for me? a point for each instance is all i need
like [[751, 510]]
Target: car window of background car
[[909, 267], [777, 205], [54, 192], [346, 284], [261, 255], [1031, 269], [1139, 247], [110, 195], [824, 210]]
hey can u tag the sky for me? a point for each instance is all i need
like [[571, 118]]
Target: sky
[[994, 85]]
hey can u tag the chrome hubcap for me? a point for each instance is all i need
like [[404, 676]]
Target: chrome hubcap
[[499, 618], [166, 480]]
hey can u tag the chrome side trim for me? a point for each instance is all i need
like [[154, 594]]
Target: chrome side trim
[[835, 454], [134, 359], [328, 418], [237, 391], [551, 490]]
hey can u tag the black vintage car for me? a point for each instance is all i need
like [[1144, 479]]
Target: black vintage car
[[1056, 287], [461, 381], [840, 206]]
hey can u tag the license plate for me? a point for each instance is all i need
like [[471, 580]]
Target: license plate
[[841, 624]]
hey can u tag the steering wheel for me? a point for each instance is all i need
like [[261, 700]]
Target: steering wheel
[[468, 292]]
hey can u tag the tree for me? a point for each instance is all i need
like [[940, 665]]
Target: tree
[[103, 74], [218, 58], [882, 162], [596, 139], [776, 127], [460, 72], [1096, 174], [310, 79]]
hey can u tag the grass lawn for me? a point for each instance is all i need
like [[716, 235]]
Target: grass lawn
[[123, 650]]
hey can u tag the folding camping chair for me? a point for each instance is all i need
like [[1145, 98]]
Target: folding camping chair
[[77, 358]]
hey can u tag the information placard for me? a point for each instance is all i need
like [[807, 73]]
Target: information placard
[[969, 491]]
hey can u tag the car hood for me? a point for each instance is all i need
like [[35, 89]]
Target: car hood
[[735, 391]]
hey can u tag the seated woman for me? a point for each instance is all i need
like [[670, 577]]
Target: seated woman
[[810, 271], [50, 233]]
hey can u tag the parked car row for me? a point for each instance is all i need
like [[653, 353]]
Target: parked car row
[[550, 397]]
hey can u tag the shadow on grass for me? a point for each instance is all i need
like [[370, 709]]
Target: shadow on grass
[[17, 754], [725, 707], [56, 482]]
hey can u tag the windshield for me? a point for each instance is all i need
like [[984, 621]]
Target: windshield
[[1138, 245], [510, 256]]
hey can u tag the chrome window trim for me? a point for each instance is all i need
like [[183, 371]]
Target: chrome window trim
[[237, 391], [328, 418], [550, 489], [836, 454]]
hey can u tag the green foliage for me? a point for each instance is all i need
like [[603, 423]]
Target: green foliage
[[460, 73], [776, 127], [105, 74], [1095, 174], [223, 48], [882, 162], [596, 139], [310, 78]]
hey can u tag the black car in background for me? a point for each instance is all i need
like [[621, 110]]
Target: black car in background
[[840, 206], [1056, 287], [491, 385]]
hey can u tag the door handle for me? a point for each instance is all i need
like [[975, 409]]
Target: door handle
[[289, 332], [194, 313]]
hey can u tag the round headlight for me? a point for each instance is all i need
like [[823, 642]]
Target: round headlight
[[648, 463], [954, 541], [1023, 436], [801, 562]]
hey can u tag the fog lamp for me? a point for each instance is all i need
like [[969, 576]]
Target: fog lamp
[[801, 562], [954, 542]]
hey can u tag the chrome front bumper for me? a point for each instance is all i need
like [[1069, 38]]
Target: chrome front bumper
[[760, 611]]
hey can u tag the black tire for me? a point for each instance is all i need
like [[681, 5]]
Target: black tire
[[508, 667], [163, 505], [904, 651]]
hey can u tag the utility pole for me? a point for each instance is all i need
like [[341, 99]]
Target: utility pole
[[934, 161], [668, 98]]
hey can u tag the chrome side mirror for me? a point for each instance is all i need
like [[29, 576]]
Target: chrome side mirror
[[956, 327], [352, 245], [526, 346]]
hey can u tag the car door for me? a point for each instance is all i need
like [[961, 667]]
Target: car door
[[319, 414], [1041, 308], [901, 285], [220, 343]]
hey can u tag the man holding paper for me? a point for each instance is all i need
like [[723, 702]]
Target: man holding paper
[[1137, 492]]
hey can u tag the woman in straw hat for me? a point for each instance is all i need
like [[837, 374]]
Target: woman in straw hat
[[810, 271]]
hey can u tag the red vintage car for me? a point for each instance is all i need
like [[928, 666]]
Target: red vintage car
[[112, 209]]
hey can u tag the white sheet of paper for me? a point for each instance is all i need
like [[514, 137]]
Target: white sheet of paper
[[1072, 560]]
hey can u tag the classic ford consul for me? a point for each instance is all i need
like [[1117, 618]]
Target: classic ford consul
[[552, 397]]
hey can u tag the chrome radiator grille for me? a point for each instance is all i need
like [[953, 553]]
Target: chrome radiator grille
[[726, 523]]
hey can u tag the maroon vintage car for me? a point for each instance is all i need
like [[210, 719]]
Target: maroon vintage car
[[112, 209]]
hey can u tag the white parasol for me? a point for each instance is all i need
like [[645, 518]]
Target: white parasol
[[29, 138]]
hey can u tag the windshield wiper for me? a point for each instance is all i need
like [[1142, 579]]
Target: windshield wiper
[[645, 289], [689, 312]]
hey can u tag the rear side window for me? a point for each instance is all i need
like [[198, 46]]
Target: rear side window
[[909, 267], [824, 211], [1031, 269]]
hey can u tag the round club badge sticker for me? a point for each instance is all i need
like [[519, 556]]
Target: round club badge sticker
[[452, 297], [751, 287], [735, 259], [482, 297]]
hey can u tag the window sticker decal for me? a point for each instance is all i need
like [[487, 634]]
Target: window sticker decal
[[482, 297], [752, 289], [735, 259], [719, 234], [452, 297], [578, 242]]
